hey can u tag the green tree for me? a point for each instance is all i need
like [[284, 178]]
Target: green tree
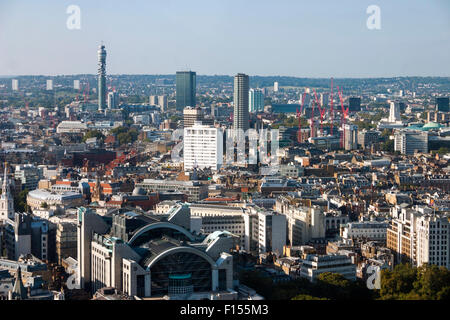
[[93, 134]]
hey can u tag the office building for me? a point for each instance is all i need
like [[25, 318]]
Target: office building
[[270, 231], [26, 234], [15, 85], [241, 116], [350, 137], [202, 147], [29, 175], [275, 87], [354, 104], [153, 100], [161, 258], [442, 104], [394, 112], [49, 84], [163, 102], [314, 265], [411, 141], [66, 241], [366, 138], [193, 190], [186, 83], [112, 100], [367, 230], [419, 237], [76, 84], [192, 115], [101, 54], [256, 100]]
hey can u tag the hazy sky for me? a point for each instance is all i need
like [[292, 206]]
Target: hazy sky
[[311, 38]]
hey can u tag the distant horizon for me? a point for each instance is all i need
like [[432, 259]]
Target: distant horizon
[[214, 75]]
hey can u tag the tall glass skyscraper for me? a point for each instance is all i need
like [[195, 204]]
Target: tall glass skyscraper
[[186, 85], [101, 78], [256, 100], [241, 89]]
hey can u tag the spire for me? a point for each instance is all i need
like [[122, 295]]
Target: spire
[[19, 292], [5, 177]]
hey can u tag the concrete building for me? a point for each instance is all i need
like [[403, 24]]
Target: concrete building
[[192, 115], [194, 190], [411, 141], [419, 237], [29, 175], [161, 259], [350, 137], [394, 112], [367, 230], [241, 107], [202, 147], [314, 265], [15, 84], [113, 100], [101, 90], [71, 127], [270, 230], [66, 241], [366, 138]]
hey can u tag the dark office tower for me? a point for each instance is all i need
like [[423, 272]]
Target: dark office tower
[[442, 104], [101, 78], [354, 104], [241, 88], [186, 84]]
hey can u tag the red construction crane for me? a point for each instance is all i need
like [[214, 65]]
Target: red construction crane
[[344, 115], [299, 116], [331, 109], [312, 120], [321, 111], [86, 92]]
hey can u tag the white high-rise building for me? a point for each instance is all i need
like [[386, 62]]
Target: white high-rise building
[[411, 141], [203, 147], [271, 235], [275, 86], [163, 102], [50, 84], [76, 84], [15, 85], [153, 100], [350, 137], [256, 100], [112, 100], [394, 112]]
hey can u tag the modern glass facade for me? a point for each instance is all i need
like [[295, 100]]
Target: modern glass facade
[[256, 100], [181, 263], [186, 85]]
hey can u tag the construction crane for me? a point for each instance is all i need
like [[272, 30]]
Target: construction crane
[[344, 115], [299, 116], [331, 109], [86, 92], [321, 111]]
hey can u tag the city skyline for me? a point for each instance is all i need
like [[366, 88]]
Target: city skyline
[[309, 40]]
